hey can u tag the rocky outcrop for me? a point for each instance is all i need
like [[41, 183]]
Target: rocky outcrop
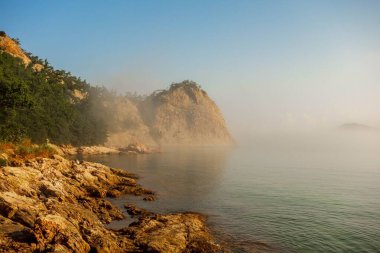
[[102, 150], [185, 114], [138, 149], [84, 150], [58, 205], [11, 47], [173, 233], [182, 115], [96, 150], [136, 211], [127, 124]]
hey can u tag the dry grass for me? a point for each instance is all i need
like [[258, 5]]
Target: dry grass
[[4, 146], [16, 154]]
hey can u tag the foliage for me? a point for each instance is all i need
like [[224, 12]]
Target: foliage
[[5, 146], [90, 119], [40, 105], [16, 40], [24, 150], [3, 162], [187, 84], [27, 150]]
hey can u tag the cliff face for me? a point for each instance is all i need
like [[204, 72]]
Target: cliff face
[[186, 115], [11, 47], [182, 115], [127, 125]]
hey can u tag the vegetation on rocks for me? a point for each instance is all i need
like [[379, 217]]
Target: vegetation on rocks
[[16, 154], [40, 103], [45, 104]]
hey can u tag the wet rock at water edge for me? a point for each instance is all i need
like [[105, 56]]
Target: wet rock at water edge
[[149, 198], [135, 211]]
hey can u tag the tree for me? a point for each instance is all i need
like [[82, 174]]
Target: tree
[[40, 105]]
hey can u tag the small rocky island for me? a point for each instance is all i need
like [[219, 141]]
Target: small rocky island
[[53, 204]]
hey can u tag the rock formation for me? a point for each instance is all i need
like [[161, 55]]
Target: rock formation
[[184, 114], [58, 205], [11, 47], [173, 233]]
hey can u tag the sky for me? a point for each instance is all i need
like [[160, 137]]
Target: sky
[[269, 65]]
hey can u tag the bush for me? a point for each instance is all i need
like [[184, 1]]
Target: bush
[[17, 41], [2, 34], [3, 162], [5, 146], [15, 154], [26, 150]]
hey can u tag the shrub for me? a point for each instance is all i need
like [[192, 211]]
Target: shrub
[[3, 162], [5, 146], [16, 154], [26, 150]]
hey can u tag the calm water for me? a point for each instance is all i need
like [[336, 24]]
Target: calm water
[[291, 200]]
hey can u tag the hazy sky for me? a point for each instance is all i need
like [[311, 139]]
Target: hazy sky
[[268, 64]]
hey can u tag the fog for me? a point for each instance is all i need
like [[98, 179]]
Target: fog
[[289, 70], [281, 104], [276, 97]]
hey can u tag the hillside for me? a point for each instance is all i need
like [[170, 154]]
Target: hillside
[[42, 103]]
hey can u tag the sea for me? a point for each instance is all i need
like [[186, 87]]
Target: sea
[[268, 196]]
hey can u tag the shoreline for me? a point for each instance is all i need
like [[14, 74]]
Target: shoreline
[[59, 205], [227, 239], [69, 150]]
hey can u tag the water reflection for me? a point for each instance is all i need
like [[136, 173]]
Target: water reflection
[[315, 199], [184, 179]]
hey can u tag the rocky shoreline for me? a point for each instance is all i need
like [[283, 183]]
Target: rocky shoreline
[[59, 205], [68, 150]]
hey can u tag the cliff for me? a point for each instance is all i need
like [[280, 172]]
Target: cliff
[[182, 115], [12, 47]]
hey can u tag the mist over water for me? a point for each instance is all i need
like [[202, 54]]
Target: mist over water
[[281, 193], [284, 74], [327, 140]]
